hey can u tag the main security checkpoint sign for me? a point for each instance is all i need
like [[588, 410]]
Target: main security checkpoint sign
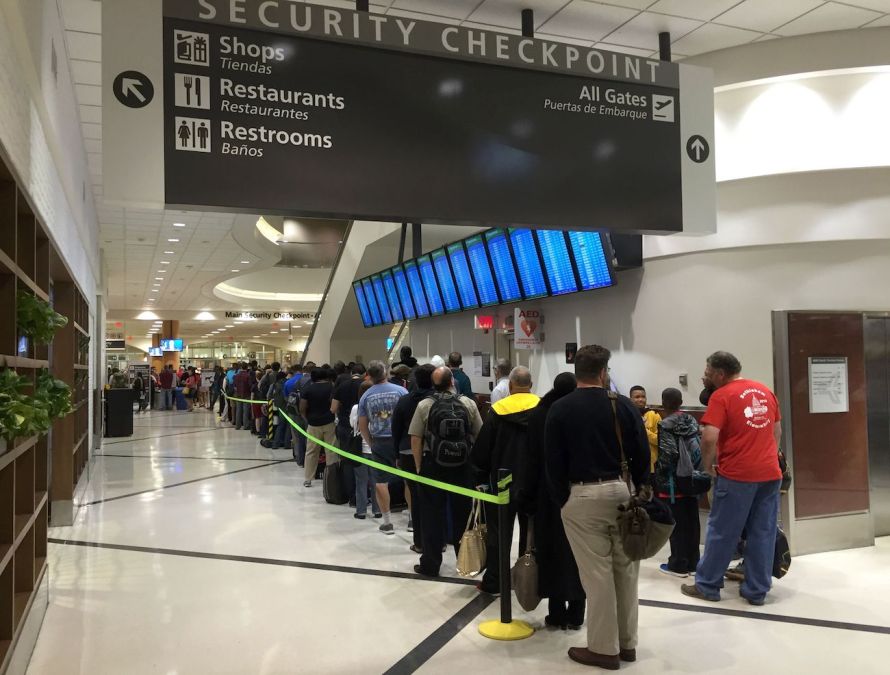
[[276, 107]]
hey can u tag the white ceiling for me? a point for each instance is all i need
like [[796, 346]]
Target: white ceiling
[[135, 240]]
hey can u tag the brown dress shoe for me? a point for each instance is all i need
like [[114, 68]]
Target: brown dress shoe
[[629, 655], [586, 657]]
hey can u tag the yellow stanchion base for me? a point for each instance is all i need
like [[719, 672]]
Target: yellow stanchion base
[[516, 630]]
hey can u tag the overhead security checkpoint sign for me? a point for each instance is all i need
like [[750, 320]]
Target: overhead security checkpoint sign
[[316, 111]]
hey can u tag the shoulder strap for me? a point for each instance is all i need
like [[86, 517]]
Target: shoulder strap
[[625, 474]]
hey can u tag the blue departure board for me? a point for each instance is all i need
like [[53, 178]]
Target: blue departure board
[[557, 262], [372, 302], [504, 272], [392, 296], [416, 285], [462, 275], [382, 302], [430, 285], [362, 304], [528, 264], [401, 281], [488, 294], [590, 257], [446, 281]]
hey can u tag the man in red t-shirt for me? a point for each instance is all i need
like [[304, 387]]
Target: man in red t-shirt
[[742, 430]]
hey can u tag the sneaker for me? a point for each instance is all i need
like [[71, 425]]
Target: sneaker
[[359, 516], [378, 515], [664, 569], [387, 528], [307, 483], [693, 592], [736, 573]]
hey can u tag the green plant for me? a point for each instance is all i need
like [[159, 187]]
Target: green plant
[[20, 415], [53, 394], [37, 319]]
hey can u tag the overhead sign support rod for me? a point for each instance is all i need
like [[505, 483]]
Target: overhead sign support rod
[[402, 237], [528, 23], [362, 5], [664, 46]]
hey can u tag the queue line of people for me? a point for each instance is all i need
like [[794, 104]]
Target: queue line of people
[[565, 453]]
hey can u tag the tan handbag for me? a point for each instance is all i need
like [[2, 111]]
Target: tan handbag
[[471, 557], [524, 575]]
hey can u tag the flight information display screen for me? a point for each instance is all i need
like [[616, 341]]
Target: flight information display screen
[[362, 304], [528, 263], [401, 282], [382, 302], [446, 281], [488, 294], [372, 302], [428, 277], [504, 272], [465, 288], [392, 296], [557, 262], [590, 259], [416, 285]]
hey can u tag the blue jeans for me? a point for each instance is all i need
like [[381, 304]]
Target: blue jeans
[[166, 399], [737, 506], [282, 434], [364, 482]]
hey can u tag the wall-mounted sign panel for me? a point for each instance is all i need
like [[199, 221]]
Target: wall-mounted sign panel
[[829, 384]]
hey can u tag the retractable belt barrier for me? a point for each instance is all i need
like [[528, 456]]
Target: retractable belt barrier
[[501, 498]]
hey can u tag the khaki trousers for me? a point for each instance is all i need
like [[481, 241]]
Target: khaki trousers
[[608, 576], [326, 433]]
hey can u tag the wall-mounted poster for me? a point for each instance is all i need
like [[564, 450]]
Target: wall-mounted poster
[[829, 384]]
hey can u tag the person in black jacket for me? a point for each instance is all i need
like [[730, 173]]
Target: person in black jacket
[[558, 577], [584, 466], [401, 421], [503, 444]]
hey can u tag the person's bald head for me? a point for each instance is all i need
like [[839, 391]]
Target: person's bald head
[[520, 380], [442, 378]]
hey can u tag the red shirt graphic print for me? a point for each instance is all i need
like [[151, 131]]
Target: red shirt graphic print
[[746, 413]]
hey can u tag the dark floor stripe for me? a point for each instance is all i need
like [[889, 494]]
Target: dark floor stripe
[[763, 616], [427, 649], [224, 459], [263, 561], [185, 482], [151, 438]]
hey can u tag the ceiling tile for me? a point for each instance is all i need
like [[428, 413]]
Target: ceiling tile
[[82, 15], [883, 21], [508, 13], [830, 16], [711, 37], [642, 31], [878, 5], [453, 9], [692, 9], [84, 46], [621, 49], [92, 131], [587, 21], [88, 94], [485, 26], [86, 72], [633, 4], [91, 114], [766, 15]]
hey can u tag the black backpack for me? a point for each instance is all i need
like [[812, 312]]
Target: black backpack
[[448, 430]]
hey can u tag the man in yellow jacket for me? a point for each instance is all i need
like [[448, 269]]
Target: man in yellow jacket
[[651, 420]]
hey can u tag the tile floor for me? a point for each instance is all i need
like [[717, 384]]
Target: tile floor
[[276, 586]]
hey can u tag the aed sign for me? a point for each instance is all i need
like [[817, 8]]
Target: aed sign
[[484, 322], [528, 327]]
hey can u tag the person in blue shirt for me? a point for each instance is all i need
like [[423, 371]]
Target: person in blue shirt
[[375, 410], [295, 375]]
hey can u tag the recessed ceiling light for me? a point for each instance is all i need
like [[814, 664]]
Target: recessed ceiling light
[[178, 224], [159, 278], [155, 290], [169, 252], [173, 241], [228, 326], [146, 315], [165, 262], [245, 262], [161, 272], [236, 270], [156, 285]]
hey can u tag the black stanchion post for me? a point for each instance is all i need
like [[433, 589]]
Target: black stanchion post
[[504, 479], [505, 628]]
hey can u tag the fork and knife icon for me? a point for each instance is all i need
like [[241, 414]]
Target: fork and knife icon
[[188, 82]]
